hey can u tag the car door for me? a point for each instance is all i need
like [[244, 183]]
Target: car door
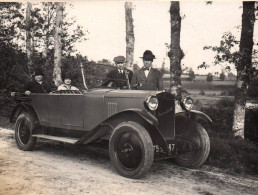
[[71, 111]]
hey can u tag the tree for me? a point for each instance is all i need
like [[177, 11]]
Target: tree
[[244, 67], [58, 45], [29, 46], [175, 54], [209, 77], [129, 35], [135, 67], [222, 76], [191, 74]]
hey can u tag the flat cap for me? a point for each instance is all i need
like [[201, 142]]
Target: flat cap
[[119, 59]]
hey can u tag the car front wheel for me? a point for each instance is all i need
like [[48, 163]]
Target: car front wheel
[[193, 149], [131, 150], [23, 132]]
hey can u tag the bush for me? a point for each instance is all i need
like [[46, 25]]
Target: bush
[[202, 92], [233, 155], [222, 76], [253, 88], [251, 124], [238, 156], [209, 78]]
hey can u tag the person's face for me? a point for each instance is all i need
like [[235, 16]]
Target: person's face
[[147, 63], [38, 78], [120, 64], [67, 81]]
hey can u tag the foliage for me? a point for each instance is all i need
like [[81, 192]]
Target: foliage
[[228, 53], [191, 74], [222, 76], [209, 77], [13, 67], [252, 90], [10, 23], [202, 92], [135, 67], [237, 156], [232, 154], [42, 24]]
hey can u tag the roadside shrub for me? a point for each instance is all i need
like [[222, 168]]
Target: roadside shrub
[[236, 156], [222, 76], [253, 88], [225, 103], [202, 92], [209, 77], [197, 105], [251, 124], [224, 93]]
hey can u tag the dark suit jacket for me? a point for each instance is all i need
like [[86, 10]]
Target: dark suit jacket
[[118, 79], [35, 87], [154, 80]]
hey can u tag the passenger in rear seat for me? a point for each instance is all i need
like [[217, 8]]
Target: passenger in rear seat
[[67, 78]]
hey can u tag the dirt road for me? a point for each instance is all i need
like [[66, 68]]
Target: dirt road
[[57, 168]]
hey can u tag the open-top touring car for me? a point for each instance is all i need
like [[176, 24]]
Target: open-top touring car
[[140, 125]]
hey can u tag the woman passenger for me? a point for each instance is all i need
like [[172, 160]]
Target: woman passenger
[[67, 78]]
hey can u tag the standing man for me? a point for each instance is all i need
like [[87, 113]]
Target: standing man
[[147, 78], [118, 76], [37, 85]]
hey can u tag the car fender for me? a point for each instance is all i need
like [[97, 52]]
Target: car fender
[[196, 115], [186, 121], [19, 108], [139, 115]]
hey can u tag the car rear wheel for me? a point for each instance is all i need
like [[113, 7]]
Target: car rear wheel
[[193, 149], [23, 132], [131, 150]]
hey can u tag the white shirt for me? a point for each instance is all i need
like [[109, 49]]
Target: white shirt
[[66, 87], [146, 72]]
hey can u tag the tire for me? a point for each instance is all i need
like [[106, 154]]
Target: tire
[[24, 126], [131, 150], [196, 157]]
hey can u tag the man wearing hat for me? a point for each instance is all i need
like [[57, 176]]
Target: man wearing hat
[[118, 76], [37, 85], [147, 78]]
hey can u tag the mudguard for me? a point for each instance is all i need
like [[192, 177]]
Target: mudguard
[[195, 115], [19, 108], [130, 114]]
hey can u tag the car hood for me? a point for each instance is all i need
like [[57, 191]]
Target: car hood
[[123, 93]]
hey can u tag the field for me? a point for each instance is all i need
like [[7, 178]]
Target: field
[[207, 93]]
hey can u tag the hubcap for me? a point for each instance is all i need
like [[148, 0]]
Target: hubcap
[[129, 149]]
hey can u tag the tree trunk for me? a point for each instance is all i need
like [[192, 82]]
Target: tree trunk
[[243, 68], [58, 45], [29, 42], [129, 35], [175, 53]]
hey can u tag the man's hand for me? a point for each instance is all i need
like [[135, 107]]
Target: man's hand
[[27, 92]]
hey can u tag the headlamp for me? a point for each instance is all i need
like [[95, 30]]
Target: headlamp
[[187, 103], [151, 102]]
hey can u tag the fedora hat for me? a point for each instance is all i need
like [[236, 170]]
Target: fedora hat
[[119, 59], [38, 71], [148, 55]]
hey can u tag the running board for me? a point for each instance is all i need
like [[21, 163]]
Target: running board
[[61, 139]]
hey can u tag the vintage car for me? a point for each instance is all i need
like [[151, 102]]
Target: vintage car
[[140, 126]]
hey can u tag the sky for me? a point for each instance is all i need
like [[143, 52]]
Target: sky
[[201, 25]]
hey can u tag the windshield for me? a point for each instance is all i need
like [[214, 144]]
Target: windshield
[[106, 76]]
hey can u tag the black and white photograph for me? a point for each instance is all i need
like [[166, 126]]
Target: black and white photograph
[[128, 97]]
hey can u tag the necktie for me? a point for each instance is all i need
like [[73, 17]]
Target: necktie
[[145, 68]]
